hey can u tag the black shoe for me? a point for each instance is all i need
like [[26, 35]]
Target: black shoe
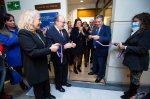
[[126, 92], [86, 65], [78, 68], [67, 85], [23, 86], [91, 73], [75, 70], [98, 80], [52, 97], [61, 89], [125, 97], [91, 61]]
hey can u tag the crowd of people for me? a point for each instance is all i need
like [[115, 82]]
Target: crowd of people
[[26, 47]]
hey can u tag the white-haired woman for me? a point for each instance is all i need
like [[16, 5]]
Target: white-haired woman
[[34, 53]]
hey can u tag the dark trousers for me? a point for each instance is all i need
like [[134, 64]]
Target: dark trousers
[[61, 73], [42, 90], [99, 63], [86, 55]]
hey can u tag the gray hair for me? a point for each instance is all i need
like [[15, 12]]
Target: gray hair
[[100, 17], [57, 18]]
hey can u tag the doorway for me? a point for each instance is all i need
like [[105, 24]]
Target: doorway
[[85, 15]]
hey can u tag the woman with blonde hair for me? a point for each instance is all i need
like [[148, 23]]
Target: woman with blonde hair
[[34, 53]]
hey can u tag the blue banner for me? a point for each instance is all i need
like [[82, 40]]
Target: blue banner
[[47, 19]]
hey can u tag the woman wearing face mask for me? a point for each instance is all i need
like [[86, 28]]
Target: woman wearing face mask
[[135, 48]]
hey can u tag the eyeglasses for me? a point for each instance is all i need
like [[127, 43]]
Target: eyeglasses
[[62, 22]]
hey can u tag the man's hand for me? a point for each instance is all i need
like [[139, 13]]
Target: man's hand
[[90, 36], [67, 45], [54, 47], [95, 37]]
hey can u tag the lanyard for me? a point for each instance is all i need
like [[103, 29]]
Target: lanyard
[[40, 38]]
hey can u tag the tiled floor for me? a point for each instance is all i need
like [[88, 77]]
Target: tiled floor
[[82, 76], [81, 93], [79, 90], [72, 92], [83, 88]]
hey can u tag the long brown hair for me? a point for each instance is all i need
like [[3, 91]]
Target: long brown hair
[[144, 19]]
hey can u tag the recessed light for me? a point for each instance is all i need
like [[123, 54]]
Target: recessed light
[[81, 1]]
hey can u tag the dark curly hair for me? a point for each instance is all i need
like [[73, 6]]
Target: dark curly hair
[[145, 20], [75, 22]]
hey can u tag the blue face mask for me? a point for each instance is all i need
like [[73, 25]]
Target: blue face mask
[[135, 26]]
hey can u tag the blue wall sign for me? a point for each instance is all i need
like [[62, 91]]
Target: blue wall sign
[[47, 19]]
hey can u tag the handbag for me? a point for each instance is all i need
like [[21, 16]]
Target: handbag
[[15, 76]]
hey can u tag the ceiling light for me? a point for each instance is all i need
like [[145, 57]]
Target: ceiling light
[[81, 1]]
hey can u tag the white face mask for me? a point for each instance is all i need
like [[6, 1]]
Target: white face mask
[[135, 26]]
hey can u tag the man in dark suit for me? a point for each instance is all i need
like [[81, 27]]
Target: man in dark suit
[[102, 35], [58, 34]]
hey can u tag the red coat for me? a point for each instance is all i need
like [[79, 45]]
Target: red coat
[[1, 48]]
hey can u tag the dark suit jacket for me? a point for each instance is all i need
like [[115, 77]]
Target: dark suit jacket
[[105, 37], [34, 55], [136, 55], [53, 36]]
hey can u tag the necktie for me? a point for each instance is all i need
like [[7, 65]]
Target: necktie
[[60, 31], [98, 30], [60, 53]]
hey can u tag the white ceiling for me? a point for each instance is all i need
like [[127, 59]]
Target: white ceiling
[[72, 2]]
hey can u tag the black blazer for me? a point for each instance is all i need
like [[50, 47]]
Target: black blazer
[[53, 36], [34, 56], [136, 55], [78, 39]]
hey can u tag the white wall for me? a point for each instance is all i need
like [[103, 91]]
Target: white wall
[[30, 4], [123, 11], [72, 10]]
